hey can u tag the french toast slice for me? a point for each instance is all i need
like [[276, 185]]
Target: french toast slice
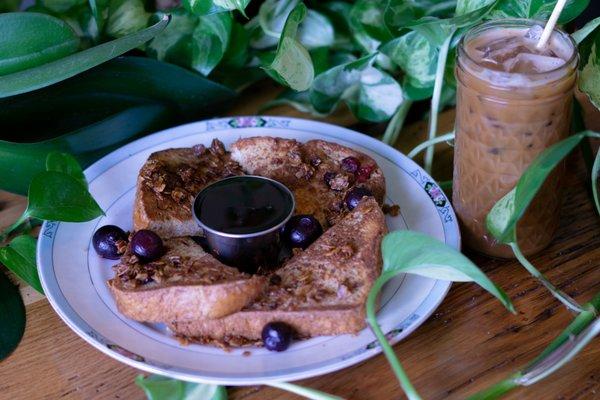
[[313, 171], [320, 291], [169, 181], [185, 283]]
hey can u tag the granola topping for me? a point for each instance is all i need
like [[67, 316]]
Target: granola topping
[[181, 184]]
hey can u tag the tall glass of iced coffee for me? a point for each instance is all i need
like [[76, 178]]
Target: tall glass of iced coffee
[[513, 101]]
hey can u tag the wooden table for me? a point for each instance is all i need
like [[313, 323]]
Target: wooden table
[[469, 343]]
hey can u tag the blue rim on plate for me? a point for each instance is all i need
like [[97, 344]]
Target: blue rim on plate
[[113, 334]]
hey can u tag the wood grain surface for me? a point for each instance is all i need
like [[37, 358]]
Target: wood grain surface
[[469, 343]]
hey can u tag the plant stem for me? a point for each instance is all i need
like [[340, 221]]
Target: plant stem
[[395, 125], [303, 391], [405, 383], [430, 143], [435, 99], [16, 225], [497, 390], [578, 325], [564, 298]]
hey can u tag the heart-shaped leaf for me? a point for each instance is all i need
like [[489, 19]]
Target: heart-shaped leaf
[[12, 317], [416, 56], [30, 39], [417, 253], [211, 38], [66, 163], [329, 87], [58, 196], [292, 65], [19, 257], [66, 67]]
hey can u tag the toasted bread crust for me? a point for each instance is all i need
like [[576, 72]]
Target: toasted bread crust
[[186, 302], [323, 290], [185, 283], [248, 325]]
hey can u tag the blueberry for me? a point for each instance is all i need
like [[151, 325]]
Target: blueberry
[[147, 245], [105, 241], [277, 336], [350, 164], [302, 230], [354, 196]]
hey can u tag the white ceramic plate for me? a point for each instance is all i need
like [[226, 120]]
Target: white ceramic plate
[[74, 277]]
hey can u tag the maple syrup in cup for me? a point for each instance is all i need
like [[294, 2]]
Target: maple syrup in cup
[[513, 102]]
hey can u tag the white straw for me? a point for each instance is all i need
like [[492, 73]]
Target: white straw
[[560, 4]]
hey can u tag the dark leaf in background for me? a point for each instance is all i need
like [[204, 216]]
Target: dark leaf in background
[[66, 67], [12, 317], [100, 110]]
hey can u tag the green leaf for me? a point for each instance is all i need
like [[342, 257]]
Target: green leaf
[[503, 217], [292, 65], [101, 110], [58, 196], [589, 77], [158, 387], [236, 54], [416, 56], [316, 31], [66, 163], [398, 13], [210, 39], [379, 96], [437, 30], [61, 6], [31, 39], [19, 257], [12, 317], [586, 30], [365, 42], [595, 174], [239, 5], [56, 71], [126, 17], [538, 9], [416, 253], [174, 44], [466, 6], [202, 7], [329, 87], [369, 14]]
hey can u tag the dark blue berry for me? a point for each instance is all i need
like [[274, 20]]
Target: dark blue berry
[[105, 241], [354, 196], [302, 230], [147, 245], [277, 336]]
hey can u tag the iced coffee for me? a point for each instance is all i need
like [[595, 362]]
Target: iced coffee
[[513, 101]]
